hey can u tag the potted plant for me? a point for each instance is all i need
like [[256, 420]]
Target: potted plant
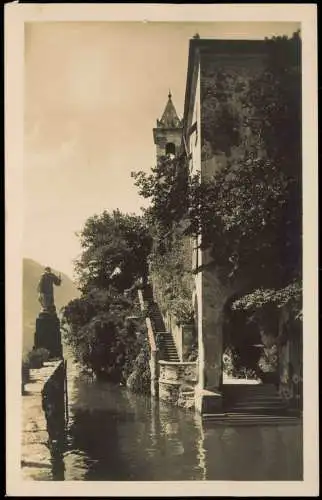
[[37, 357]]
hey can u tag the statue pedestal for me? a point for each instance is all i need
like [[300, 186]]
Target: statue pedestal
[[48, 335]]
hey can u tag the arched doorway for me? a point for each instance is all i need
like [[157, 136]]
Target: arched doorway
[[242, 344], [250, 343], [170, 148]]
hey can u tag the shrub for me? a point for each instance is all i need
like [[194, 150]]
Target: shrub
[[37, 357], [103, 337], [140, 378]]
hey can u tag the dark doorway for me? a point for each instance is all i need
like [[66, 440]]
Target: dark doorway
[[170, 148], [242, 344]]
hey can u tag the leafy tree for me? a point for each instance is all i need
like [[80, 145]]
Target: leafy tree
[[249, 213], [167, 188], [97, 325], [111, 241]]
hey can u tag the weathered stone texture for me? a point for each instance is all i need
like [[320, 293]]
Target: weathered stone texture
[[36, 459], [177, 383]]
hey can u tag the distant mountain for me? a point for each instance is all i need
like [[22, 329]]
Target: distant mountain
[[63, 294]]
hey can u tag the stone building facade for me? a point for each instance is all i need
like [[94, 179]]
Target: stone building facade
[[229, 65], [218, 70]]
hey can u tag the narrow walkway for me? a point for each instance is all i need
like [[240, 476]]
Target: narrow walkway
[[35, 454]]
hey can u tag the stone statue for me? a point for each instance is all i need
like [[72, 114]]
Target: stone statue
[[46, 290]]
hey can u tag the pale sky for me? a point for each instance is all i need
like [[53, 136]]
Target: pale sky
[[93, 92]]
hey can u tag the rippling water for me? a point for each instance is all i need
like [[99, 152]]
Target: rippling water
[[116, 435]]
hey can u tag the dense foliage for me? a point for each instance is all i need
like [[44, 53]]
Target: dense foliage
[[261, 299], [98, 325], [111, 241], [171, 274], [249, 213], [167, 188]]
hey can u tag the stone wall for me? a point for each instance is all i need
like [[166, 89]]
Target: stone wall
[[177, 382], [43, 412], [225, 110], [218, 113], [53, 402], [291, 361]]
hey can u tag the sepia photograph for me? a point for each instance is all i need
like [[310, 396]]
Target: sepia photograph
[[161, 264]]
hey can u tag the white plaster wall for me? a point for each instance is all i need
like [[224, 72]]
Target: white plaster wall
[[195, 166]]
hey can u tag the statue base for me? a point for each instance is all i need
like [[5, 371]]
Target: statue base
[[48, 335]]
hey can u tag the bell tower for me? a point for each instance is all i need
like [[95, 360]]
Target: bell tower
[[168, 132]]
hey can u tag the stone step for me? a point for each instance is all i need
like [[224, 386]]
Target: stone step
[[259, 402], [251, 392], [248, 387], [236, 414], [250, 419], [272, 400], [264, 403], [255, 408], [228, 422], [256, 397], [258, 410]]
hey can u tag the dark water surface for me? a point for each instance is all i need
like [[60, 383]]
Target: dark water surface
[[115, 435]]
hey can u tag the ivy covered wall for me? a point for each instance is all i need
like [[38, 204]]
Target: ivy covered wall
[[227, 115]]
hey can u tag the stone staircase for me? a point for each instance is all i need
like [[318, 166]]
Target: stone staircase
[[164, 339], [258, 404], [261, 399], [245, 419]]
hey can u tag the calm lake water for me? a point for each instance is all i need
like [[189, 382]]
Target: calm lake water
[[115, 435]]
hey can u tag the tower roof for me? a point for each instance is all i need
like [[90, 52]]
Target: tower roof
[[169, 118]]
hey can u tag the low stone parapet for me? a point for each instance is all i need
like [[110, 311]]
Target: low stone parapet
[[177, 381], [178, 370], [43, 421]]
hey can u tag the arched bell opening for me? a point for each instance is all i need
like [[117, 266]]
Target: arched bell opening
[[170, 148]]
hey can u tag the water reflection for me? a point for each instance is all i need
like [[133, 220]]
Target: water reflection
[[57, 463], [201, 452], [116, 435]]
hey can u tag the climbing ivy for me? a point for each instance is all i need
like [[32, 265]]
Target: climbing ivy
[[171, 273], [289, 296]]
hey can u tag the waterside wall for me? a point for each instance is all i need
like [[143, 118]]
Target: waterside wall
[[43, 422]]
